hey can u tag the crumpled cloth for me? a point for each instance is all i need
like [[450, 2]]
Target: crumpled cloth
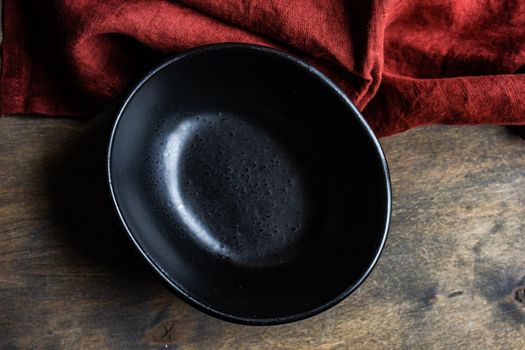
[[403, 63]]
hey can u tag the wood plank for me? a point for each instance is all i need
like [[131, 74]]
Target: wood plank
[[452, 274]]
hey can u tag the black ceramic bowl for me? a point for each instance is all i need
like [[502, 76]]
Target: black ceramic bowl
[[250, 183]]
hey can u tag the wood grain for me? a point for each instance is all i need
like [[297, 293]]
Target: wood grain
[[452, 274]]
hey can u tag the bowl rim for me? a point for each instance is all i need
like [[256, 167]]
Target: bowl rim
[[179, 290]]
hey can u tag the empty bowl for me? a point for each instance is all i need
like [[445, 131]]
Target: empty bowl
[[250, 183]]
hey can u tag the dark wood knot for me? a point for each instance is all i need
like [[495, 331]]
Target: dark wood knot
[[519, 295]]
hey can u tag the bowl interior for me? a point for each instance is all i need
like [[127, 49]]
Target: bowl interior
[[250, 184]]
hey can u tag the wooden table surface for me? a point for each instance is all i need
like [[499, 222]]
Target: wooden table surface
[[452, 274]]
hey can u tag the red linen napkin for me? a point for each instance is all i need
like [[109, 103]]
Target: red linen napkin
[[403, 63]]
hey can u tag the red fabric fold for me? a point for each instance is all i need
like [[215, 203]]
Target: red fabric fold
[[403, 63]]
